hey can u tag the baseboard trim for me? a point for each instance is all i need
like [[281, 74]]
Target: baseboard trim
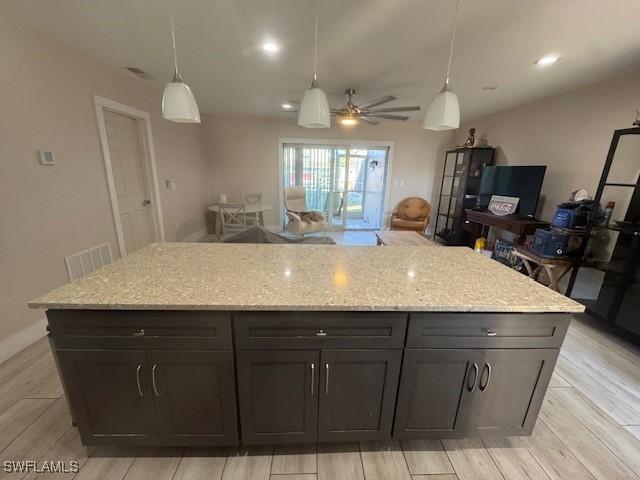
[[22, 339], [196, 236]]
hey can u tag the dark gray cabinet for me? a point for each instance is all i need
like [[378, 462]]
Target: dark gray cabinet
[[194, 395], [357, 394], [110, 395], [149, 398], [435, 396], [278, 393], [510, 390], [455, 393]]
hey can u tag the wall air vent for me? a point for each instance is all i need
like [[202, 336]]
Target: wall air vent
[[139, 73], [82, 263]]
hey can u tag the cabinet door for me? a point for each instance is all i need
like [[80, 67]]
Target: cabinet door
[[436, 392], [194, 394], [278, 393], [110, 395], [357, 394], [511, 388]]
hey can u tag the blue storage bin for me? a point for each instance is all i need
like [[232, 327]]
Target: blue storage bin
[[550, 244]]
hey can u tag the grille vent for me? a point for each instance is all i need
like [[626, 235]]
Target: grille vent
[[82, 263]]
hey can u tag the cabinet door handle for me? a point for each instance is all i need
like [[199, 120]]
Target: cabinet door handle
[[321, 333], [153, 380], [138, 381], [490, 333], [313, 376], [471, 387], [326, 380], [486, 384], [139, 333]]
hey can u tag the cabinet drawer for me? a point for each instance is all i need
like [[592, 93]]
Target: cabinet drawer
[[316, 330], [140, 329], [486, 330]]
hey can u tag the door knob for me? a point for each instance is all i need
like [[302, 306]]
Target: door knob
[[146, 202]]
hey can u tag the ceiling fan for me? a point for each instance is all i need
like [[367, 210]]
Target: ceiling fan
[[350, 113]]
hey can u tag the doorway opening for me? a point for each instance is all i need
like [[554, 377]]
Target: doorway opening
[[347, 182], [132, 178]]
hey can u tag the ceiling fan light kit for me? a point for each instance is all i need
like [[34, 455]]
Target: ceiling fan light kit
[[444, 111], [178, 103]]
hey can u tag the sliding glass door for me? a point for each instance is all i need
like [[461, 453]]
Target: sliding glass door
[[345, 182]]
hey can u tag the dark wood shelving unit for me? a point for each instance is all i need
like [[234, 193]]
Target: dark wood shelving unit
[[458, 192]]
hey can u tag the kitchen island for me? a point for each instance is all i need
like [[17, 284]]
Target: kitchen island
[[220, 344]]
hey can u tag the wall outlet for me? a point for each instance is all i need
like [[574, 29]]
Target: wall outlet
[[46, 158], [171, 185]]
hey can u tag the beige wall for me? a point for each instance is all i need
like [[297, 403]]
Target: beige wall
[[244, 154], [570, 133], [47, 212]]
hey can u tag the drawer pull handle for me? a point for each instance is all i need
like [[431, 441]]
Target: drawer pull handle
[[138, 381], [484, 386], [153, 381], [490, 333], [472, 386], [139, 333], [326, 382], [321, 333], [313, 376]]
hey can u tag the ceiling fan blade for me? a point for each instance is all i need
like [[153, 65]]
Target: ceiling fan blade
[[378, 101], [370, 121], [414, 108], [387, 116]]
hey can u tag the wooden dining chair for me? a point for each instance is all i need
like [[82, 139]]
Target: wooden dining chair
[[233, 218], [253, 199]]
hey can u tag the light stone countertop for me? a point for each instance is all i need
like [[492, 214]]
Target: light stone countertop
[[206, 276]]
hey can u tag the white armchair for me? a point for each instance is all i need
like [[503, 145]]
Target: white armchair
[[301, 220]]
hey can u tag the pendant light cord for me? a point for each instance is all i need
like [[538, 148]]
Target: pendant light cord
[[315, 49], [453, 41], [173, 42]]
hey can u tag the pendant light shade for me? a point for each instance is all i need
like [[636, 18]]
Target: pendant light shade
[[444, 111], [314, 108], [178, 103]]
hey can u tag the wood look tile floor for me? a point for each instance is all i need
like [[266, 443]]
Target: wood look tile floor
[[589, 428]]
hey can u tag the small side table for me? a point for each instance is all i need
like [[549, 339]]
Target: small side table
[[555, 268]]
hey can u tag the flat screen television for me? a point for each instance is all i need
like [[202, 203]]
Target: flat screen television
[[524, 182]]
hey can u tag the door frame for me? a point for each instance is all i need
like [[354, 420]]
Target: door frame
[[343, 142], [149, 159]]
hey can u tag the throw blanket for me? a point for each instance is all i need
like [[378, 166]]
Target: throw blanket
[[311, 216]]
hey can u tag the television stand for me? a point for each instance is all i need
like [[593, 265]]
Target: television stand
[[516, 224]]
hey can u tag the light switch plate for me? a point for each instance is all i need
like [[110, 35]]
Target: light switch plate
[[171, 185], [46, 158]]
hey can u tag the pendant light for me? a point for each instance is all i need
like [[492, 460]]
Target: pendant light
[[314, 108], [444, 111], [178, 103]]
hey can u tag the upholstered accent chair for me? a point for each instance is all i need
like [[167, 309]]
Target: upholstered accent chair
[[301, 220], [411, 214]]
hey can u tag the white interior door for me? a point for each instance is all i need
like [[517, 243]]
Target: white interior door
[[130, 179]]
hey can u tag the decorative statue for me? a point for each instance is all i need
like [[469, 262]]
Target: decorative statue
[[471, 140]]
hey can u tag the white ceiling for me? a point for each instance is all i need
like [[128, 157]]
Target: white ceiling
[[378, 47]]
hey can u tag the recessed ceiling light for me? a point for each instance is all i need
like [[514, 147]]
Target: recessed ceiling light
[[547, 60], [270, 47], [287, 106]]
